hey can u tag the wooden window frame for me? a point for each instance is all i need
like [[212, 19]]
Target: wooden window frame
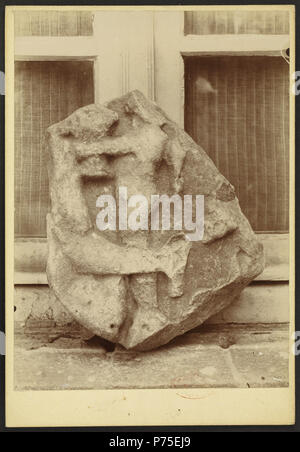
[[119, 66]]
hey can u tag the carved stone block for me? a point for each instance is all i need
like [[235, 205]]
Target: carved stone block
[[140, 288]]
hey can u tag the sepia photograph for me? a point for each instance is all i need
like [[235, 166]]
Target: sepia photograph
[[150, 158]]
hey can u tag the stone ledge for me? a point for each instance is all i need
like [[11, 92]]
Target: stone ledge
[[244, 356], [31, 258], [258, 303]]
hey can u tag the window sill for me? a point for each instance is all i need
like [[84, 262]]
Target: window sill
[[31, 259]]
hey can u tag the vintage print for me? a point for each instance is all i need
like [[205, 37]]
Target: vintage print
[[152, 202]]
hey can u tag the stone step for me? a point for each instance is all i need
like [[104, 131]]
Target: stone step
[[243, 356]]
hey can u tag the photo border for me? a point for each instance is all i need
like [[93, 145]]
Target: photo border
[[34, 405]]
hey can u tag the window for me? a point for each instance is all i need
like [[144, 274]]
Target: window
[[208, 68], [236, 22], [237, 109], [56, 66], [45, 93], [53, 23]]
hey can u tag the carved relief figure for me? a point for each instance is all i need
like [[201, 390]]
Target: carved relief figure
[[113, 283]]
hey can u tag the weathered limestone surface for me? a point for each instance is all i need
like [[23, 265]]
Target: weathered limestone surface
[[140, 288]]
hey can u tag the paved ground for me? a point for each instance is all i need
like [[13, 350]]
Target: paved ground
[[245, 356]]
